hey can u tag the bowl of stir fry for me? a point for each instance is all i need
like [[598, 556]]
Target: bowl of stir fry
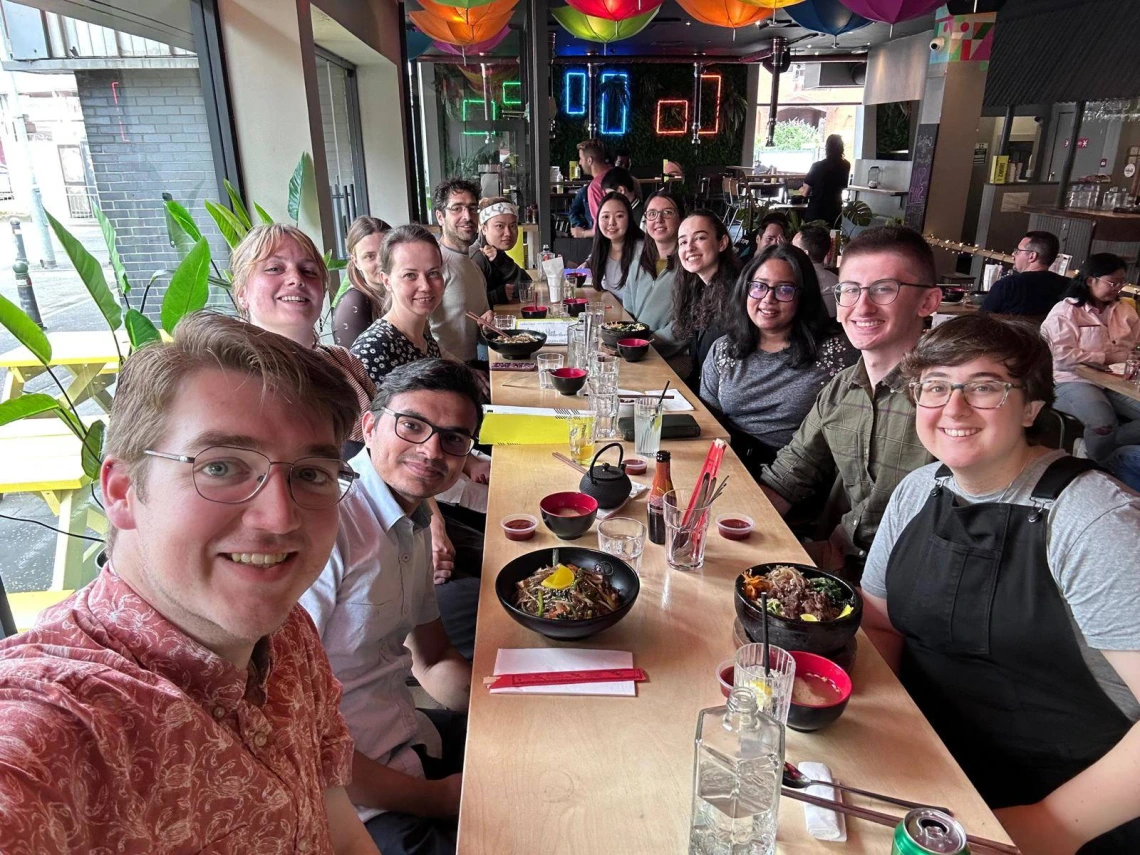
[[516, 344], [568, 592]]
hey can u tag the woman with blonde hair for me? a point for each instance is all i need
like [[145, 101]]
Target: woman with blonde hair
[[280, 283], [366, 300]]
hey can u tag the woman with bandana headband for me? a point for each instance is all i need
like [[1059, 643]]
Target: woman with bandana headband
[[498, 233]]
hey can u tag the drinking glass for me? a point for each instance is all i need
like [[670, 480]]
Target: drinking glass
[[597, 308], [622, 538], [577, 355], [505, 322], [581, 428], [597, 314], [685, 539], [774, 689], [548, 362], [605, 406], [526, 293], [646, 427], [554, 284], [604, 372]]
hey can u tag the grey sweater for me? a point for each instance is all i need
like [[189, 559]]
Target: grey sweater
[[762, 394], [465, 290]]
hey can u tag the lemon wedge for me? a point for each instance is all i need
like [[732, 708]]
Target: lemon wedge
[[847, 609], [809, 618], [762, 689], [561, 579]]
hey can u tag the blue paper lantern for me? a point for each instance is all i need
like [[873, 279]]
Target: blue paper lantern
[[826, 16], [418, 43]]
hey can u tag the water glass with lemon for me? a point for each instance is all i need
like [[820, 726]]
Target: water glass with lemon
[[773, 688]]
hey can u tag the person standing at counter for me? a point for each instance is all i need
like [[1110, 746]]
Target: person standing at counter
[[498, 234], [1092, 325], [649, 288], [1032, 289], [456, 204], [825, 183], [1001, 587], [617, 245], [592, 162]]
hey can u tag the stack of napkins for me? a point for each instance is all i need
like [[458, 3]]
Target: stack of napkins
[[542, 660]]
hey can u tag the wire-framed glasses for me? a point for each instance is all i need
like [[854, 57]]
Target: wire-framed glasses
[[784, 292], [979, 394], [414, 429], [881, 291], [232, 475], [661, 214]]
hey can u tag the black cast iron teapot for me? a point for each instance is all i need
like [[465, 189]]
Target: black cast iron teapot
[[608, 484]]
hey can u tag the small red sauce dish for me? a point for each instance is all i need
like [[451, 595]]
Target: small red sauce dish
[[635, 466], [725, 674], [519, 526], [734, 526], [534, 312]]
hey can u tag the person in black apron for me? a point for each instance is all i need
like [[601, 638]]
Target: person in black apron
[[962, 597]]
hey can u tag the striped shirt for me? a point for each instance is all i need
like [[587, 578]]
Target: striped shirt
[[357, 377], [865, 436]]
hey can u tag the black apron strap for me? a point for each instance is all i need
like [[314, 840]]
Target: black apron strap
[[943, 472], [1059, 475]]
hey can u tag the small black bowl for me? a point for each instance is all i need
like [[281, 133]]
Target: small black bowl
[[622, 577], [615, 330], [568, 381], [633, 349], [534, 313], [952, 295], [575, 306], [823, 637], [569, 528], [808, 717], [519, 350]]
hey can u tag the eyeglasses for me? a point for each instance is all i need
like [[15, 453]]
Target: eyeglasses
[[784, 292], [1019, 249], [459, 209], [231, 475], [1112, 283], [453, 442], [979, 394], [881, 291], [667, 214]]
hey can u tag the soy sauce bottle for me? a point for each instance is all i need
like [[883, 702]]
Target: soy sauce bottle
[[662, 484]]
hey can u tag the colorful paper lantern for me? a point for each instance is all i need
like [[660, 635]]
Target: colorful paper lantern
[[600, 29], [724, 13], [462, 27], [614, 10], [826, 16], [478, 47], [465, 4], [417, 43], [772, 4], [892, 11]]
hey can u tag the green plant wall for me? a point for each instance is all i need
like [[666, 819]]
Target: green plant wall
[[648, 84]]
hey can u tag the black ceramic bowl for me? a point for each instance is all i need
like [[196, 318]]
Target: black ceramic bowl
[[952, 295], [568, 381], [585, 510], [622, 577], [534, 313], [615, 330], [520, 350], [575, 306], [633, 349], [806, 717], [823, 637]]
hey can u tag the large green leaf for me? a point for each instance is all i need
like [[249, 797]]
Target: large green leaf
[[858, 212], [181, 229], [344, 287], [112, 250], [297, 185], [25, 406], [90, 272], [91, 454], [237, 205], [188, 291], [25, 330], [140, 330], [263, 214], [228, 223]]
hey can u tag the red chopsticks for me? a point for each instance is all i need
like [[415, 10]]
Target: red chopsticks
[[709, 471], [566, 678]]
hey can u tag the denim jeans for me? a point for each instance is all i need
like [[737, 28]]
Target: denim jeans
[[1100, 412]]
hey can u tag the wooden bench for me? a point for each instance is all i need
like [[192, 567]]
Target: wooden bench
[[42, 456]]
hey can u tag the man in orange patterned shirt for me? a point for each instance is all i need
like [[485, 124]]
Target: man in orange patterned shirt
[[182, 701]]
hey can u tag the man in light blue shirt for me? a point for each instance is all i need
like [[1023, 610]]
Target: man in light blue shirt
[[375, 608]]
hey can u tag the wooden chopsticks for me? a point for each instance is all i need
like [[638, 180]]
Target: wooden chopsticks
[[486, 326]]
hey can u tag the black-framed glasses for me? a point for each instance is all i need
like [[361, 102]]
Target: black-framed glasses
[[414, 429], [658, 214], [459, 209], [231, 475], [881, 291], [784, 292], [979, 394]]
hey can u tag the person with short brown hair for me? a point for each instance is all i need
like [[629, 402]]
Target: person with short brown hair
[[185, 681], [1032, 289], [592, 162], [1001, 588]]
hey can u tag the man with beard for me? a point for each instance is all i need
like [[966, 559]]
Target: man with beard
[[456, 204], [376, 611]]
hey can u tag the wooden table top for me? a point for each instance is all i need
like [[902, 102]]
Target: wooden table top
[[1114, 382], [584, 775], [72, 348]]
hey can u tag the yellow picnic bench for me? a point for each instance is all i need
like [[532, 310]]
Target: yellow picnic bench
[[89, 362]]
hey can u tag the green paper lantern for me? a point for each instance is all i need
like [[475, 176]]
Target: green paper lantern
[[600, 29], [464, 4]]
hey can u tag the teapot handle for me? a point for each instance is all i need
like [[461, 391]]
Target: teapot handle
[[601, 451]]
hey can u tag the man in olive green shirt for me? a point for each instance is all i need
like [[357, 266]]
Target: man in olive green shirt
[[861, 426]]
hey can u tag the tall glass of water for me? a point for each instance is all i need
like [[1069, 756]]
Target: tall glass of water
[[577, 353], [646, 427]]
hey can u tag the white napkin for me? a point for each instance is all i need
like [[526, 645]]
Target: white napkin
[[823, 824], [552, 268], [541, 660], [1117, 368]]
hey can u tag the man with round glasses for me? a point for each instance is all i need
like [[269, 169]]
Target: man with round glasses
[[456, 206], [375, 607], [185, 681], [861, 427]]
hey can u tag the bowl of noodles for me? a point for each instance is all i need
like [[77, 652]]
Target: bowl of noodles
[[516, 344], [573, 594], [808, 609]]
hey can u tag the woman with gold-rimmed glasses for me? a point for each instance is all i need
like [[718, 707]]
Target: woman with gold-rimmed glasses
[[1001, 587]]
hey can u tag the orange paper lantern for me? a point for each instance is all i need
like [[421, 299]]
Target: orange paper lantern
[[462, 27], [725, 13]]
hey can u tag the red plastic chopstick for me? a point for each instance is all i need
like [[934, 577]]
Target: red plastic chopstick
[[566, 678], [711, 469]]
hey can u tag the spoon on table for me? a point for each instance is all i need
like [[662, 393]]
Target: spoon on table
[[797, 780]]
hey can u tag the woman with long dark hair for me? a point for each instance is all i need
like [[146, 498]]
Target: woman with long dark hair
[[708, 269], [779, 349], [617, 245], [825, 182], [1092, 325], [649, 286], [366, 300]]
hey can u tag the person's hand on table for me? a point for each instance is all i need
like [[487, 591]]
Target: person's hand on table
[[1035, 831], [488, 317], [442, 552], [478, 470], [489, 251], [512, 289]]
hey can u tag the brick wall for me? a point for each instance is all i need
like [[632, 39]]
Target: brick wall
[[147, 133]]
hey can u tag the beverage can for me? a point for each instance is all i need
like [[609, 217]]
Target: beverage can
[[926, 831]]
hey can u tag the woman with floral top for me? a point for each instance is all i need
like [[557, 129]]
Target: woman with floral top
[[781, 347]]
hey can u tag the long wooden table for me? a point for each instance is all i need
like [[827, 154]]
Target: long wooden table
[[584, 775], [1111, 382]]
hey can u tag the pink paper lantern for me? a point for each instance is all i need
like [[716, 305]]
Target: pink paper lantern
[[891, 11]]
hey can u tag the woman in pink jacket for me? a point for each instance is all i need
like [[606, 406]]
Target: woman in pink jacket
[[1091, 325]]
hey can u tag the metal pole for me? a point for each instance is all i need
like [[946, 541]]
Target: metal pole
[[779, 46], [696, 103], [591, 124], [1070, 154], [539, 102], [24, 290], [40, 219]]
